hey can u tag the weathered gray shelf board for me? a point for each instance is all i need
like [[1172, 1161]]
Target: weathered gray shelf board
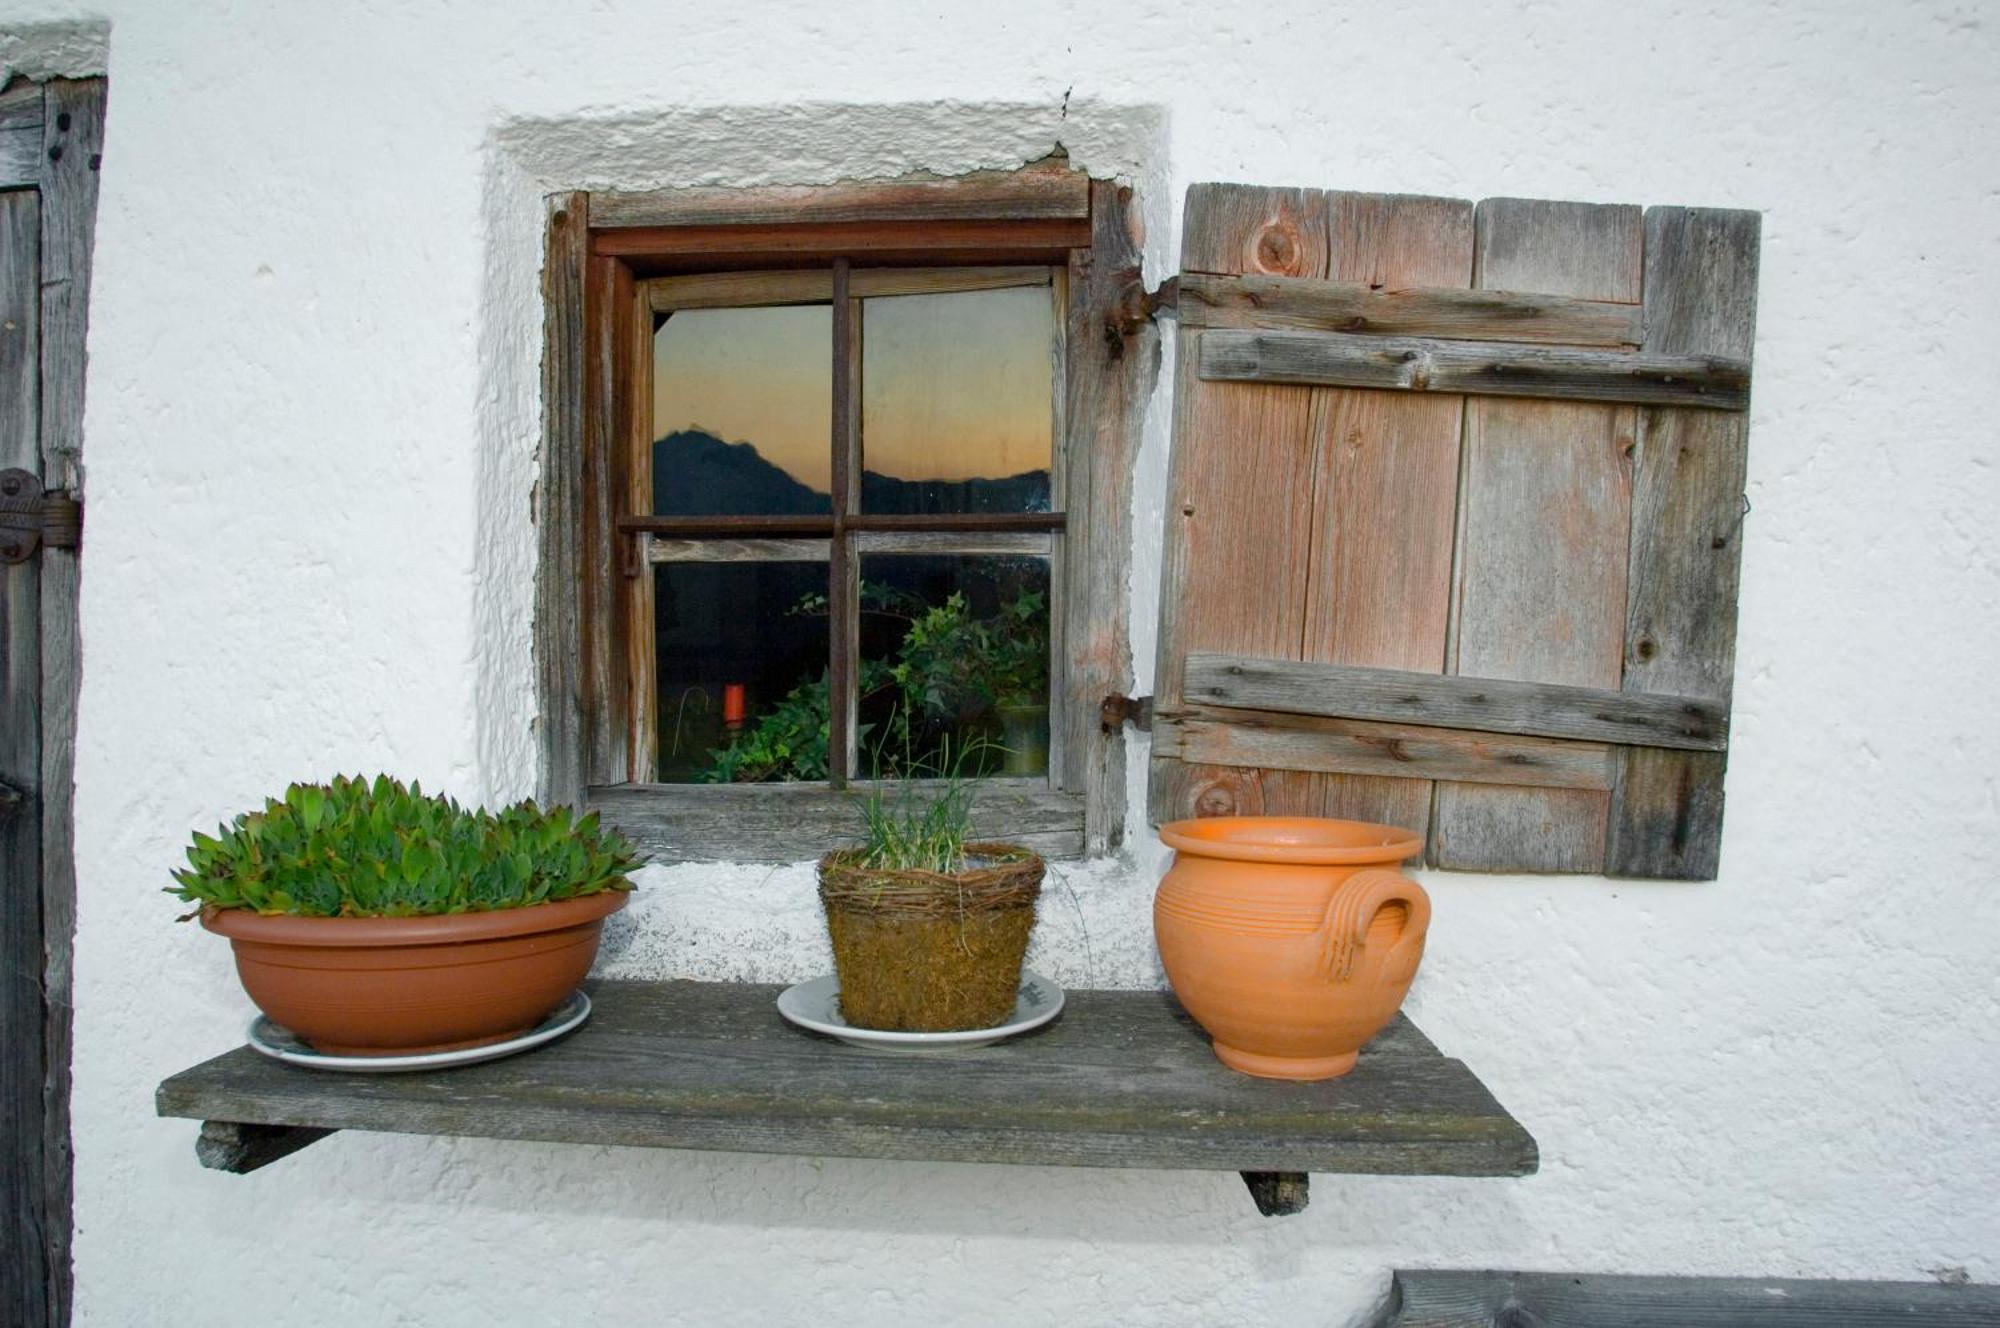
[[1424, 1298], [1121, 1079]]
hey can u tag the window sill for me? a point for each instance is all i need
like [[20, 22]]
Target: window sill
[[1122, 1079], [799, 822]]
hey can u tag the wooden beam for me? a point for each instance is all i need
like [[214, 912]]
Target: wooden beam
[[1488, 705], [1109, 365], [738, 290], [1002, 543], [72, 148], [1034, 194], [610, 379], [1302, 305], [798, 822], [1271, 740], [1416, 364], [559, 499], [664, 550], [25, 1238], [1437, 1298], [1687, 546], [240, 1149], [991, 242]]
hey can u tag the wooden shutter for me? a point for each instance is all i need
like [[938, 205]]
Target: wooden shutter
[[1452, 523]]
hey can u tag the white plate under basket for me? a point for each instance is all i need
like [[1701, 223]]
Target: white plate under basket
[[277, 1041], [816, 1005]]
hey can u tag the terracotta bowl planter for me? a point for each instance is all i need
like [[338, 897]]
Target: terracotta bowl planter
[[393, 986], [1292, 940]]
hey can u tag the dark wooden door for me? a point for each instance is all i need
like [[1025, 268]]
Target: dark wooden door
[[50, 136], [23, 1018]]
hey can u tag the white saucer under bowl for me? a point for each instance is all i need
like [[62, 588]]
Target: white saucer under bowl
[[816, 1005], [280, 1042]]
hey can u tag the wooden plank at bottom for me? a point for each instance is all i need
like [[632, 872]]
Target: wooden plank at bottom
[[1122, 1079], [1447, 1299]]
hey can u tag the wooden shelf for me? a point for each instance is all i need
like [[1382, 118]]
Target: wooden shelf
[[1122, 1079]]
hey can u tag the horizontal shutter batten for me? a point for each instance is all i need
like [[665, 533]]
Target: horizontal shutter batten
[[1491, 368], [1275, 740], [1303, 304], [1486, 705]]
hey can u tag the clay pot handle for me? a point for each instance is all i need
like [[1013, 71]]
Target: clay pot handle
[[1344, 934]]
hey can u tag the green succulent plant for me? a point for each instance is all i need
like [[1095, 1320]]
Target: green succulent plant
[[356, 848]]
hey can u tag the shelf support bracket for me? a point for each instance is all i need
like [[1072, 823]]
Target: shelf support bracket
[[1278, 1193], [240, 1149]]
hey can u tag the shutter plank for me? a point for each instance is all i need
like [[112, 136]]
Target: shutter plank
[[1385, 487], [1293, 304], [1289, 741], [1239, 498], [1544, 529], [1686, 551]]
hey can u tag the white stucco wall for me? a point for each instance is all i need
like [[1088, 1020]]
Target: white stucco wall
[[310, 443]]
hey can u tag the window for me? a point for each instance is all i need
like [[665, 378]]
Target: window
[[853, 593], [836, 488]]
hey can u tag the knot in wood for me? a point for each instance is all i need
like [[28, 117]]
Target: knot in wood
[[1277, 250], [1215, 800]]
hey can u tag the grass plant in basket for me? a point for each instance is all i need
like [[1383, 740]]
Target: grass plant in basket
[[371, 919], [928, 930]]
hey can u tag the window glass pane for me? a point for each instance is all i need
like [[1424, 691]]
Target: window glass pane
[[955, 658], [955, 401], [742, 669], [742, 412]]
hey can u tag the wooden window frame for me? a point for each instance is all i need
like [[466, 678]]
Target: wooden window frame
[[612, 259]]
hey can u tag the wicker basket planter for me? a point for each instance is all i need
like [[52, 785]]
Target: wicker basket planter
[[929, 952]]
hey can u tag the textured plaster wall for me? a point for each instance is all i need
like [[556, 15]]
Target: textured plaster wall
[[311, 444]]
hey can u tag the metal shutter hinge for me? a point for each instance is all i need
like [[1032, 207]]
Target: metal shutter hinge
[[33, 518], [1118, 711]]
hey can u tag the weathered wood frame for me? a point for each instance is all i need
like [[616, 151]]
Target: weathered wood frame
[[1594, 358], [611, 260], [51, 138]]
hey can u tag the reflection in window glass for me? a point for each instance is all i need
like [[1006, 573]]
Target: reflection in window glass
[[954, 658], [955, 401], [742, 671], [742, 411]]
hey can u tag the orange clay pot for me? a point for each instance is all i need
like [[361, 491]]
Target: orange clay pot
[[396, 986], [1291, 939]]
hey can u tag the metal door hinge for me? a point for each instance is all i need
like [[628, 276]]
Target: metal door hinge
[[1118, 711], [33, 518], [1138, 306]]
